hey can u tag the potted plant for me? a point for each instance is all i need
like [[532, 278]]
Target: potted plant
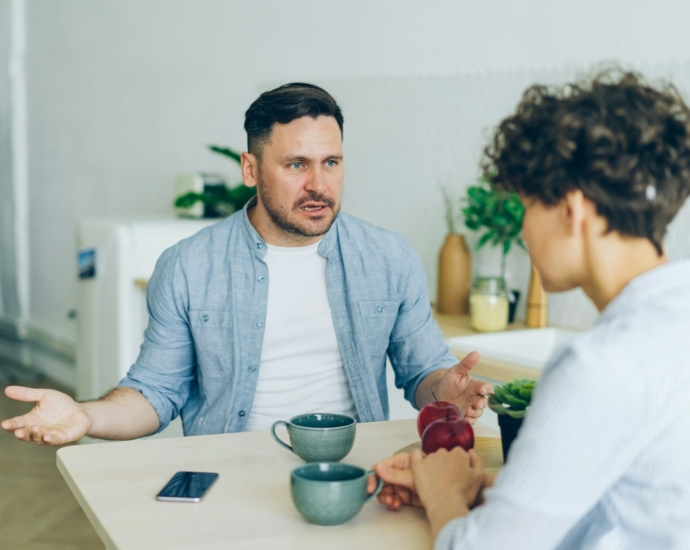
[[497, 215], [219, 200], [510, 401]]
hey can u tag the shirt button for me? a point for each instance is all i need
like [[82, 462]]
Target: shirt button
[[260, 278], [341, 322], [252, 369], [259, 245], [205, 318], [379, 309], [242, 413], [257, 325]]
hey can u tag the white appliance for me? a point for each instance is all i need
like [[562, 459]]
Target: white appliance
[[111, 307]]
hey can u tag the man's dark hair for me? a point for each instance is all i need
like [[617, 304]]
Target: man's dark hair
[[283, 105], [622, 142]]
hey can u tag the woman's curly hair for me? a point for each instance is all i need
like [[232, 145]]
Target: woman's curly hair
[[623, 143]]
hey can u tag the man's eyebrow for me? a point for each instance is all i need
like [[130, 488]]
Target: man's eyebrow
[[288, 160]]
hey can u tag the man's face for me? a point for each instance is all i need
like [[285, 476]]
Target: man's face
[[299, 180]]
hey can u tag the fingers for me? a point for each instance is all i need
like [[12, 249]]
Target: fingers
[[385, 493], [476, 409], [21, 393], [395, 496], [389, 469], [36, 435], [416, 457], [14, 423], [476, 461], [466, 365], [389, 498], [371, 484], [394, 475], [23, 434], [484, 388]]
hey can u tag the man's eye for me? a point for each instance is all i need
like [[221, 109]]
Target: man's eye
[[330, 163], [296, 165]]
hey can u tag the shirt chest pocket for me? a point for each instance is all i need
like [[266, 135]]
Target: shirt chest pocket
[[378, 317], [212, 334]]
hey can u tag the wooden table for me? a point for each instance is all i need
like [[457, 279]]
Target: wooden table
[[250, 504]]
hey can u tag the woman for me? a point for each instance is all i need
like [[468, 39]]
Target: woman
[[603, 457]]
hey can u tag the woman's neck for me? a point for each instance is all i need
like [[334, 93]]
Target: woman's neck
[[613, 261]]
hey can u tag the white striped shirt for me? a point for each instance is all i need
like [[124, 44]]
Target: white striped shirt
[[602, 460]]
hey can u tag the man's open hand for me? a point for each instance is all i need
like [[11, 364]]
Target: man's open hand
[[55, 420], [458, 387]]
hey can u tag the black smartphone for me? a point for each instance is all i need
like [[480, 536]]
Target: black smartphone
[[187, 486]]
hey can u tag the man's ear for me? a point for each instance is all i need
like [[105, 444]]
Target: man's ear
[[576, 210], [250, 169]]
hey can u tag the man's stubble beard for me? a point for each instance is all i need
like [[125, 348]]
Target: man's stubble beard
[[280, 217]]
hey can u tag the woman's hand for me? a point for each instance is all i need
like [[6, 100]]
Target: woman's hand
[[399, 486], [447, 483]]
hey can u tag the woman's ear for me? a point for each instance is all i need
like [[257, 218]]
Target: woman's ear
[[575, 211]]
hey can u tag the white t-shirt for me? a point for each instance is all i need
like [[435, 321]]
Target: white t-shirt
[[301, 367]]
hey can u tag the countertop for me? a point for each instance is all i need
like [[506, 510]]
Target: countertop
[[492, 369]]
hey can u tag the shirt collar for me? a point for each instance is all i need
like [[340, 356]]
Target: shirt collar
[[649, 285]]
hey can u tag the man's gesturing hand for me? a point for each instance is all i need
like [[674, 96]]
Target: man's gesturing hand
[[55, 420], [458, 387]]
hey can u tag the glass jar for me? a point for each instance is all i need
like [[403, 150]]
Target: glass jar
[[488, 304]]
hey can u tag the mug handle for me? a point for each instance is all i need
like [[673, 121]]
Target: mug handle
[[278, 440], [379, 485]]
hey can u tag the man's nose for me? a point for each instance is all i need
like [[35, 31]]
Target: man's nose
[[316, 180]]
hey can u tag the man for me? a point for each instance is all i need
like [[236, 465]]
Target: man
[[285, 307], [602, 458]]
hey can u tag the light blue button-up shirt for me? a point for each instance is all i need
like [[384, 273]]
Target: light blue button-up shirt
[[207, 303], [602, 460]]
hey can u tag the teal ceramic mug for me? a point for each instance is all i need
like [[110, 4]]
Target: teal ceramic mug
[[330, 493], [318, 437]]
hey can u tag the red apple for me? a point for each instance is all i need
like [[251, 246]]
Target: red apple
[[435, 411], [447, 433]]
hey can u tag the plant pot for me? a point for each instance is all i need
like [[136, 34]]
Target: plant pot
[[509, 430], [512, 306]]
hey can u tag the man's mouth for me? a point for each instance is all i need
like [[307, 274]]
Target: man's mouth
[[313, 207]]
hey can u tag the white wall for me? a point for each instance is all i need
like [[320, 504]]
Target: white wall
[[122, 95], [9, 306]]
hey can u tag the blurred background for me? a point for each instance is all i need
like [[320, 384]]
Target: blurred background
[[104, 104]]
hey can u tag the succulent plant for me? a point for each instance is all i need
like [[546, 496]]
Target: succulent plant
[[512, 398]]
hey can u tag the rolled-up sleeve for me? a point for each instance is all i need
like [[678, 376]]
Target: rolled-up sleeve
[[416, 347], [164, 369]]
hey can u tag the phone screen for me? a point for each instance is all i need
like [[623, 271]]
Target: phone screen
[[187, 486]]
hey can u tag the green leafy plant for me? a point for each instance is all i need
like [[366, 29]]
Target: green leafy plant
[[495, 213], [222, 198], [512, 398]]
